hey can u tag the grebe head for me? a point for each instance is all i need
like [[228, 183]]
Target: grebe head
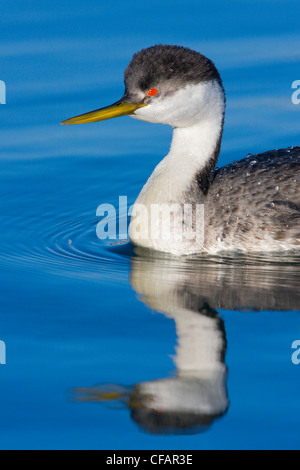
[[166, 84], [178, 85]]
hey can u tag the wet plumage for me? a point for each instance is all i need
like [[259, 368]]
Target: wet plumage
[[255, 202], [250, 205]]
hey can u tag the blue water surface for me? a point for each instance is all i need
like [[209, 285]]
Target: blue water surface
[[91, 328]]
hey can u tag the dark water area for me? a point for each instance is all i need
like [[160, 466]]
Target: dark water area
[[108, 346]]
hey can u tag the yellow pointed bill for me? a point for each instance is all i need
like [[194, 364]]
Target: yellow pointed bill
[[120, 108]]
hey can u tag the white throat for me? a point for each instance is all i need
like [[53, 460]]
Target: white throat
[[198, 111]]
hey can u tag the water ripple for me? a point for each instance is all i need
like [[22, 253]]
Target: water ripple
[[70, 246]]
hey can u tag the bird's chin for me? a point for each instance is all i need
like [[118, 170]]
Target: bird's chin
[[135, 116], [142, 116], [148, 118]]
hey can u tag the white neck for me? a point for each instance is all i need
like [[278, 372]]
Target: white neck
[[196, 113], [196, 136], [191, 149]]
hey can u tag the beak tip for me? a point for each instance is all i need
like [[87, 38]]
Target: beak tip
[[120, 108]]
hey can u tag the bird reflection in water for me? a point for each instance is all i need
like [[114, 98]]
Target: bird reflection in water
[[190, 292]]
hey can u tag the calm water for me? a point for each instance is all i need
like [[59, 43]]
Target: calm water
[[92, 330]]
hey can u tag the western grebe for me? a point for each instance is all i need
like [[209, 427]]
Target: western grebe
[[249, 205]]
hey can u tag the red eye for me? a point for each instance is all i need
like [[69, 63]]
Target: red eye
[[152, 92]]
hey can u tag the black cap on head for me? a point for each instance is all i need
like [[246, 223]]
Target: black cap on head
[[162, 64]]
